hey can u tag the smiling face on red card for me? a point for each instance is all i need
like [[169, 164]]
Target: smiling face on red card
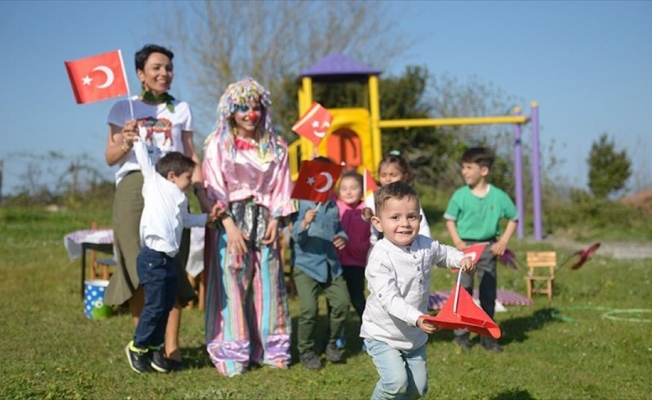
[[314, 124]]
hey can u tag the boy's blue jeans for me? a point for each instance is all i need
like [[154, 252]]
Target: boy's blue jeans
[[157, 275], [403, 374]]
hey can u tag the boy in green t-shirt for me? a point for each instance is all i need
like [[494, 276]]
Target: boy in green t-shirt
[[472, 216]]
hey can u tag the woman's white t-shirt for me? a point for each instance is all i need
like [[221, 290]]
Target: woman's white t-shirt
[[157, 126]]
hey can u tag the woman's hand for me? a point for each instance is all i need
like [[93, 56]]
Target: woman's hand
[[130, 133], [236, 240], [271, 232]]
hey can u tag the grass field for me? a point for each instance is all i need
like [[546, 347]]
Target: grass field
[[578, 347]]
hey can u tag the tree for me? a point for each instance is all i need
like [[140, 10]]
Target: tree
[[609, 169], [223, 41]]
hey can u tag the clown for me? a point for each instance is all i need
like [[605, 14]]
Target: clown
[[246, 172]]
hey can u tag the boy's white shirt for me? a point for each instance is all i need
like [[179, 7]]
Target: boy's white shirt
[[424, 228], [166, 208], [398, 279]]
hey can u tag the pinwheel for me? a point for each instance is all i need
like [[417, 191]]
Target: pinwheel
[[584, 256]]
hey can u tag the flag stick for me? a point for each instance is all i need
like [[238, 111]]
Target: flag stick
[[124, 73], [457, 290]]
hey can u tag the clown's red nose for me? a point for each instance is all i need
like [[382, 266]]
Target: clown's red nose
[[253, 116]]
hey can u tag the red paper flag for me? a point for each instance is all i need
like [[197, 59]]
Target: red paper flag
[[369, 183], [316, 180], [98, 77], [474, 251], [469, 316], [314, 124]]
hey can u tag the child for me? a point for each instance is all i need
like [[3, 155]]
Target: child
[[472, 216], [317, 233], [392, 168], [354, 256], [163, 219], [398, 275]]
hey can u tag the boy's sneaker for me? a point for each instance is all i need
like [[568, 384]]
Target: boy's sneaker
[[464, 342], [333, 353], [157, 359], [490, 344], [138, 358], [310, 360]]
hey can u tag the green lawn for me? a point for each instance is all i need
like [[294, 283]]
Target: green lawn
[[578, 347]]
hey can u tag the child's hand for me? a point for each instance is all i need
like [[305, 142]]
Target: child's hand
[[367, 213], [309, 217], [426, 326], [130, 132], [466, 265], [498, 248], [216, 213], [339, 242]]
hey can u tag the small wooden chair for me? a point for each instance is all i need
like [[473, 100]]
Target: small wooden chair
[[100, 266], [541, 274]]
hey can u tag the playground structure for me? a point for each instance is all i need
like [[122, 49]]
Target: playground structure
[[354, 134]]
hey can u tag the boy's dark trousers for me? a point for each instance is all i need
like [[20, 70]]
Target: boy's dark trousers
[[487, 278], [157, 275]]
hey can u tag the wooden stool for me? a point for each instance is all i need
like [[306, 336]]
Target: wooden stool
[[541, 274]]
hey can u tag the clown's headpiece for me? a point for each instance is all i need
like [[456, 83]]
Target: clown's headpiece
[[238, 93]]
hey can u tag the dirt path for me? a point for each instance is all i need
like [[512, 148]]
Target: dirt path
[[620, 250]]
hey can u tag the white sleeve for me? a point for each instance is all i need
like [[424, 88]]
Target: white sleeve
[[445, 256], [381, 280], [144, 161]]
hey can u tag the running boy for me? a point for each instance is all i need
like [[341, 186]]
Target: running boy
[[398, 274], [472, 216], [163, 219]]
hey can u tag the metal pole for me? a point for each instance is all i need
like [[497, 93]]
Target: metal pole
[[518, 176], [536, 172]]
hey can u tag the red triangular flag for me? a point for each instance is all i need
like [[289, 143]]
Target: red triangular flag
[[316, 180], [369, 183], [98, 77], [473, 251], [469, 316], [314, 124]]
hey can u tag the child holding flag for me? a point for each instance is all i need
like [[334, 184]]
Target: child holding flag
[[398, 275], [472, 216], [317, 234]]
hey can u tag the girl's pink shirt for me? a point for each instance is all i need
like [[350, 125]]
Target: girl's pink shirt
[[357, 248], [241, 176]]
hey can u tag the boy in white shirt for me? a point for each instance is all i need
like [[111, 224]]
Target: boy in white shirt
[[163, 219], [398, 275]]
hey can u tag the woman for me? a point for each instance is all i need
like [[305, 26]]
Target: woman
[[165, 124], [246, 172]]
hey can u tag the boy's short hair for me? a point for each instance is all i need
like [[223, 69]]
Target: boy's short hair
[[395, 190], [323, 159], [176, 163], [479, 155]]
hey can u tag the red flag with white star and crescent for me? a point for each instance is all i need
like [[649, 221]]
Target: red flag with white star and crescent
[[316, 181], [314, 124], [98, 77]]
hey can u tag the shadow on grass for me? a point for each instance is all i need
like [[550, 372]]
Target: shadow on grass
[[196, 357], [516, 329], [513, 395]]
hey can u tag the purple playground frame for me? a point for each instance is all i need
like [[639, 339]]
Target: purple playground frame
[[536, 174]]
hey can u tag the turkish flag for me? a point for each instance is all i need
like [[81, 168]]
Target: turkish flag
[[467, 316], [314, 124], [98, 77], [316, 180], [369, 183]]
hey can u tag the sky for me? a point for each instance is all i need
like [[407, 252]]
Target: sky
[[586, 63]]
